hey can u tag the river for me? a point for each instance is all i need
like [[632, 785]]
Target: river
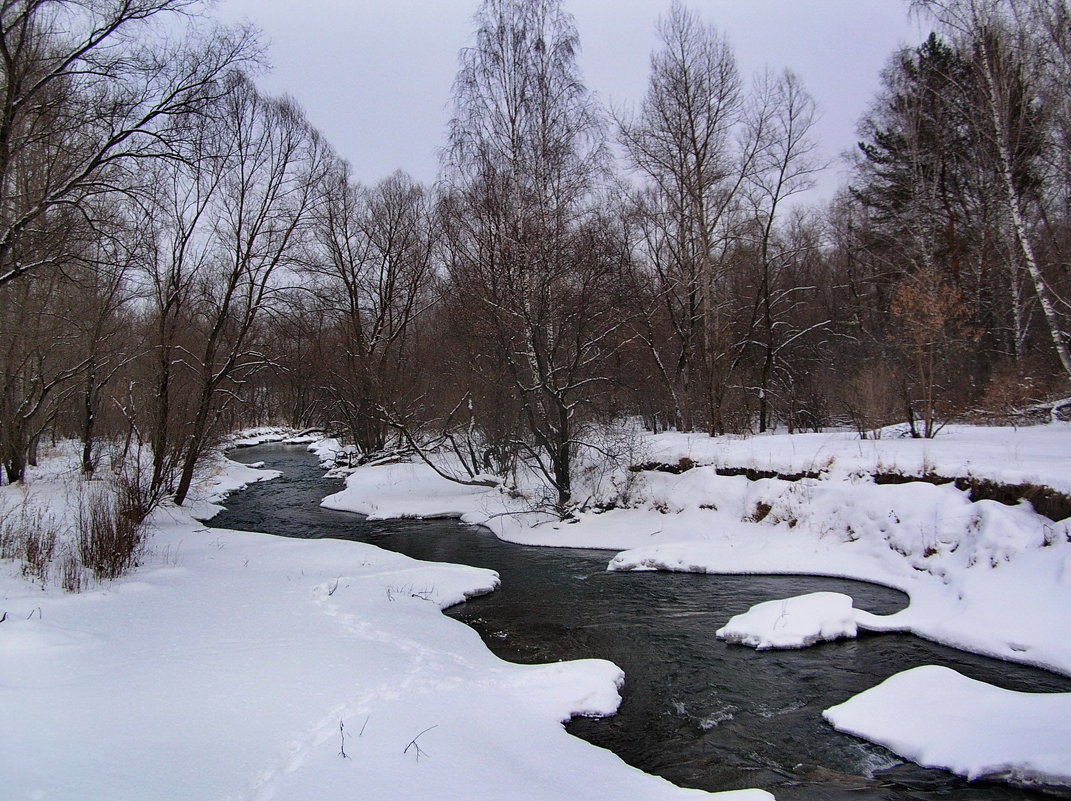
[[695, 710]]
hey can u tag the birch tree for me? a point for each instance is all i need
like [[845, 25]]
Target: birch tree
[[994, 33]]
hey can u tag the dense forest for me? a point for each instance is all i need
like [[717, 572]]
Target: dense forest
[[181, 255]]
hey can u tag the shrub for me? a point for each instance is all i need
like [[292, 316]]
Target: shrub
[[29, 537], [72, 575], [111, 533], [103, 534], [870, 400]]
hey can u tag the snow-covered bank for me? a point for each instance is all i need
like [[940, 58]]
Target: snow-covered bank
[[1010, 455], [982, 576], [930, 715], [258, 436], [240, 666], [408, 490]]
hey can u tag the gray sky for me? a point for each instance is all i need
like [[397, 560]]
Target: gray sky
[[374, 75]]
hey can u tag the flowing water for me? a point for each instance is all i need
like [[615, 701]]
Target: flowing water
[[695, 710]]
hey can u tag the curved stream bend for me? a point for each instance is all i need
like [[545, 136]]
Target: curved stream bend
[[695, 710]]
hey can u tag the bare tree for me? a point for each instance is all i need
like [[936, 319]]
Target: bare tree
[[90, 89], [273, 165], [220, 225], [372, 267], [784, 166], [36, 366], [686, 141], [526, 261], [100, 317], [174, 214], [90, 95]]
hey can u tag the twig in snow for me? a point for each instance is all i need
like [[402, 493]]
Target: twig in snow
[[782, 619], [342, 739], [424, 594], [413, 743], [408, 589], [361, 732]]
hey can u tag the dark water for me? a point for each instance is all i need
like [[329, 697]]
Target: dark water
[[695, 710]]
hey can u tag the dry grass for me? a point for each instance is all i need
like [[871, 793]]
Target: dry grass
[[103, 535], [111, 532], [29, 537]]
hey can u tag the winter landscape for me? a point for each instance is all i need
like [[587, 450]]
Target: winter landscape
[[190, 676], [625, 342]]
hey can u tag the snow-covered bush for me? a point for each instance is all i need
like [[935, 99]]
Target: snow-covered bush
[[603, 475]]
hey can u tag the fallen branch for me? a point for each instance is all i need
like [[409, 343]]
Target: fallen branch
[[413, 743]]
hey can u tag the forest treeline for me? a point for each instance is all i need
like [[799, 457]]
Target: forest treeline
[[181, 255]]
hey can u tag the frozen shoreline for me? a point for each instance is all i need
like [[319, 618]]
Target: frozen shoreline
[[228, 627], [981, 576], [233, 665]]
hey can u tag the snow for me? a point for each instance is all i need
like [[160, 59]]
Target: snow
[[406, 490], [981, 576], [792, 622], [262, 434], [235, 665], [938, 718], [240, 666], [1011, 455]]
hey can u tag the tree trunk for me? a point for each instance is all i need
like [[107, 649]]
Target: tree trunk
[[89, 421], [1015, 211], [160, 435], [195, 443]]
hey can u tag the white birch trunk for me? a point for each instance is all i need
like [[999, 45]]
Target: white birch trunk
[[1018, 224]]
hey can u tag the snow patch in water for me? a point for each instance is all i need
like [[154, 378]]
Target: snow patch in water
[[939, 718], [793, 622]]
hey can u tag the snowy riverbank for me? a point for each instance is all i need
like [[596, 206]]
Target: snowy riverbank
[[241, 666], [234, 665], [982, 576]]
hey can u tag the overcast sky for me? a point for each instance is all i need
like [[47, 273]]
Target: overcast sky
[[374, 75]]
